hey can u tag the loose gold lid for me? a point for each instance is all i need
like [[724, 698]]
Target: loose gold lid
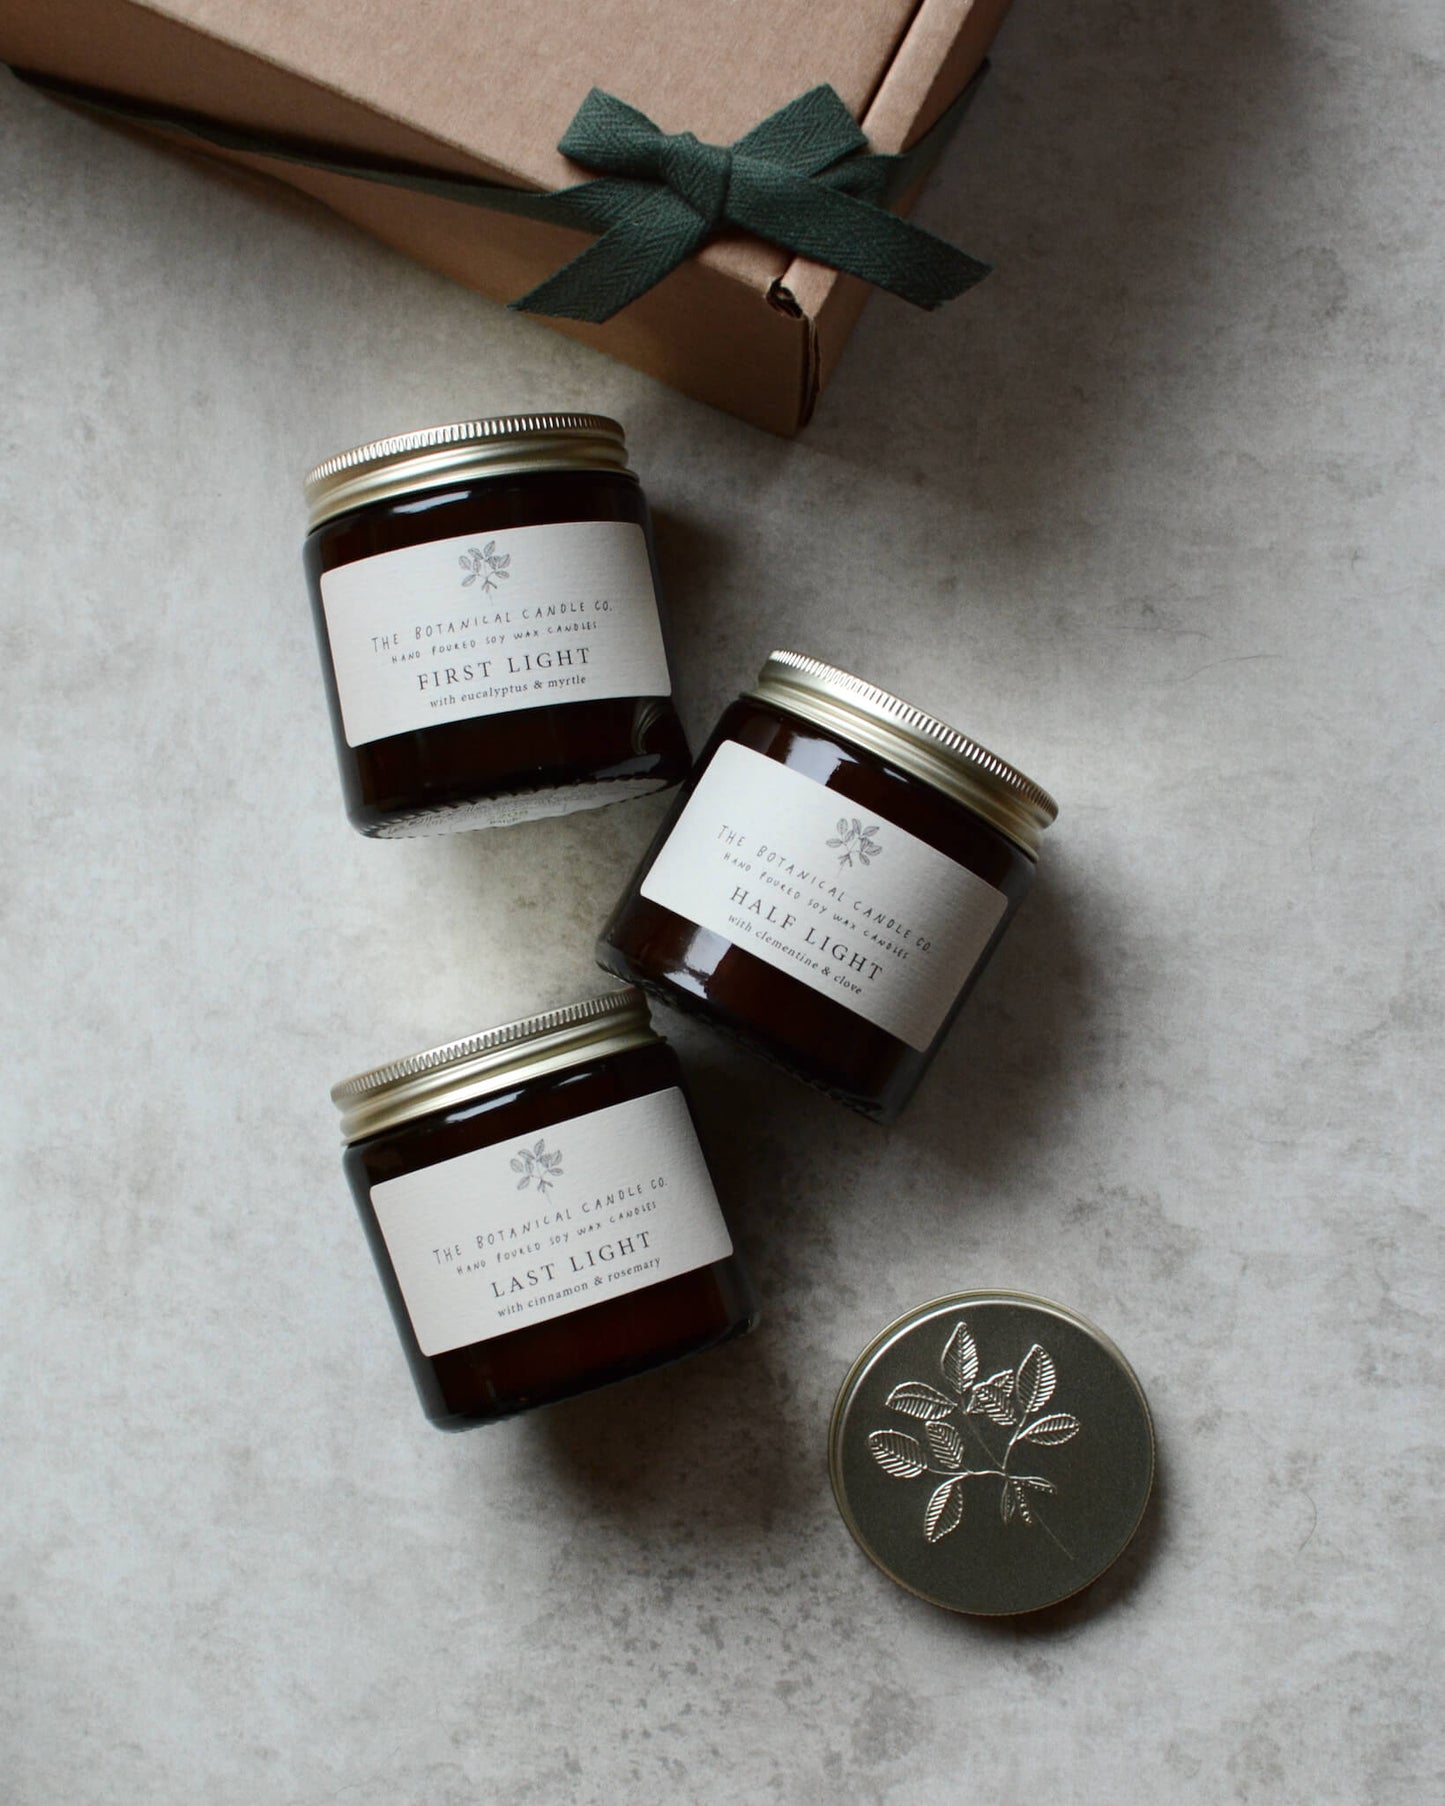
[[507, 446], [494, 1060], [922, 744]]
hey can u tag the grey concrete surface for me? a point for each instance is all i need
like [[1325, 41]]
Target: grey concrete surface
[[1156, 512]]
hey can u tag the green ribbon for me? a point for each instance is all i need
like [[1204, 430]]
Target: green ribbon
[[803, 179]]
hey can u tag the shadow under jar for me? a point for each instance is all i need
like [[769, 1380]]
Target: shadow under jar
[[832, 881], [486, 605], [540, 1211]]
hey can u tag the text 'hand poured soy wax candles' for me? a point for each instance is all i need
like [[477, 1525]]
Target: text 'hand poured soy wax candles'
[[487, 608], [832, 881], [540, 1211]]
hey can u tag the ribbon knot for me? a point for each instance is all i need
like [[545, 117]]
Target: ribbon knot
[[803, 179], [700, 173]]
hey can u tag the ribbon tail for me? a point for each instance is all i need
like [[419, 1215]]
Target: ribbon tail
[[850, 235], [882, 176], [656, 234]]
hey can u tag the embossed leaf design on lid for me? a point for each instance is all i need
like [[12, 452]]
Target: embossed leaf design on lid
[[994, 1397], [1035, 1384], [1016, 1496], [914, 1399], [897, 1454], [944, 1511], [1049, 1432], [960, 1359], [1009, 1400], [946, 1443]]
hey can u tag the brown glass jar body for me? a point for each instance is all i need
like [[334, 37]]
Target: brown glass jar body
[[490, 769], [812, 1035], [540, 1363]]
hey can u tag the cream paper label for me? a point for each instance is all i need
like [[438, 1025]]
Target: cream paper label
[[524, 1231], [490, 622], [845, 902]]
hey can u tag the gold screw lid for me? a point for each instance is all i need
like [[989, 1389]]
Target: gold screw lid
[[507, 446], [909, 737], [992, 1452], [494, 1060]]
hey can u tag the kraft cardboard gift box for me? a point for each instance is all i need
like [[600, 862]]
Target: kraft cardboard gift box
[[482, 89]]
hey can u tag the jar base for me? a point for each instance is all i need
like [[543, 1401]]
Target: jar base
[[506, 811], [457, 1421], [694, 1003]]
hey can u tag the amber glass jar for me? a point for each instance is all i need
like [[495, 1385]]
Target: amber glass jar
[[540, 1211], [831, 881], [486, 605]]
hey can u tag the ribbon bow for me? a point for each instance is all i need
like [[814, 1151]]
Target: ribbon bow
[[801, 179]]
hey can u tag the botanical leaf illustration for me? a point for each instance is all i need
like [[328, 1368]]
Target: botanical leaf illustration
[[484, 564], [914, 1399], [537, 1163], [995, 1397], [897, 1454], [960, 1359], [1049, 1432], [1035, 1384], [946, 1443], [857, 840], [944, 1511], [1007, 1399]]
